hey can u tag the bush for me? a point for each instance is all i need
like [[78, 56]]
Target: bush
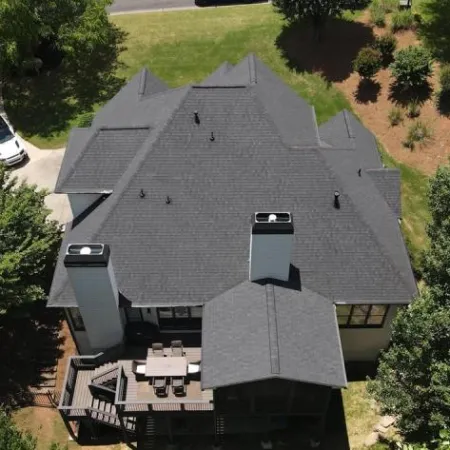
[[418, 133], [85, 120], [413, 109], [377, 14], [402, 20], [386, 45], [389, 5], [443, 96], [395, 116], [412, 67], [368, 62]]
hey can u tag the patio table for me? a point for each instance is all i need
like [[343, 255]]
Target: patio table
[[170, 366]]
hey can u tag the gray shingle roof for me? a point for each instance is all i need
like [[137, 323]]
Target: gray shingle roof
[[102, 161], [388, 182], [197, 247], [256, 331]]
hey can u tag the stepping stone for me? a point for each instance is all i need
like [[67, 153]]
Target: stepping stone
[[372, 439], [387, 421]]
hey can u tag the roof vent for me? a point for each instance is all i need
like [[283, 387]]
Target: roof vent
[[337, 203], [142, 193], [212, 138], [168, 200], [359, 172], [196, 118]]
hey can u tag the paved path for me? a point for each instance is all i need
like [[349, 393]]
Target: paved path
[[127, 6], [42, 169]]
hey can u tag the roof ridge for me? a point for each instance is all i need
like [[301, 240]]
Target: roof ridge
[[273, 329], [142, 82], [350, 133], [252, 69]]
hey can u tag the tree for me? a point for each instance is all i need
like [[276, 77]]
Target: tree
[[72, 27], [412, 67], [368, 62], [11, 438], [437, 257], [413, 378], [29, 242], [316, 11]]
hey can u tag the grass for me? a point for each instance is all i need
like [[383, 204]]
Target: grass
[[360, 414], [180, 47], [415, 211]]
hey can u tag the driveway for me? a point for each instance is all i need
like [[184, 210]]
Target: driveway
[[42, 169], [128, 6]]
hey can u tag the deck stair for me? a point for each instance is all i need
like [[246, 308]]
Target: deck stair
[[147, 433], [106, 375], [105, 413]]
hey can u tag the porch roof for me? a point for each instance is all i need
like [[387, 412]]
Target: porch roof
[[257, 331]]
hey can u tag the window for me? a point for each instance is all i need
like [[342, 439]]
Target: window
[[76, 319], [180, 317], [361, 316]]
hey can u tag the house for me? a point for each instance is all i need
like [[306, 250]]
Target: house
[[260, 251]]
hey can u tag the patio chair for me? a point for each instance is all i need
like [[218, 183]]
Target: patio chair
[[178, 387], [138, 368], [157, 349], [177, 348], [160, 386]]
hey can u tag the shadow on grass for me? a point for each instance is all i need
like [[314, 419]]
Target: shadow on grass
[[434, 28], [29, 351], [367, 91], [403, 97], [332, 56], [46, 104]]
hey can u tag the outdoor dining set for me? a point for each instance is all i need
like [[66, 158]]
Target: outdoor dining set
[[162, 370]]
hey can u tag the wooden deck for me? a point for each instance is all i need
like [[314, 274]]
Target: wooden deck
[[142, 391], [82, 397]]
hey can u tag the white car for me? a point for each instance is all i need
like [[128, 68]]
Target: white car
[[11, 149]]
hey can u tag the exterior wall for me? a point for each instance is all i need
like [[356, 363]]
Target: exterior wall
[[80, 338], [364, 344], [97, 297], [79, 202]]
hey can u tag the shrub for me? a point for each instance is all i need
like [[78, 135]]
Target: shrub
[[386, 44], [413, 109], [377, 14], [389, 5], [85, 119], [395, 116], [412, 67], [368, 62], [402, 20], [443, 96], [418, 133]]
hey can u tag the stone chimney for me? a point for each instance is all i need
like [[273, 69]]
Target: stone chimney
[[271, 245], [92, 278]]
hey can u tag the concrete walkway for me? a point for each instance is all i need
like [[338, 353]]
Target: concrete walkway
[[42, 169]]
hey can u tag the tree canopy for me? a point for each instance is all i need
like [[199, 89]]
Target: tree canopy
[[29, 242], [72, 26], [316, 11], [413, 379]]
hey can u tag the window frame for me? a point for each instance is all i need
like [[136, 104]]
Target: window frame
[[367, 316], [178, 320], [76, 325]]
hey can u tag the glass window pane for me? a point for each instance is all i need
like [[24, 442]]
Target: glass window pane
[[343, 310], [342, 320], [360, 310], [196, 312], [375, 320], [77, 320], [378, 310], [357, 320], [165, 313], [181, 312]]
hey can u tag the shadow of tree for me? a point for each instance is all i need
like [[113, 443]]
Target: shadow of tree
[[443, 103], [30, 348], [367, 91], [333, 55], [47, 104], [403, 97], [434, 28]]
